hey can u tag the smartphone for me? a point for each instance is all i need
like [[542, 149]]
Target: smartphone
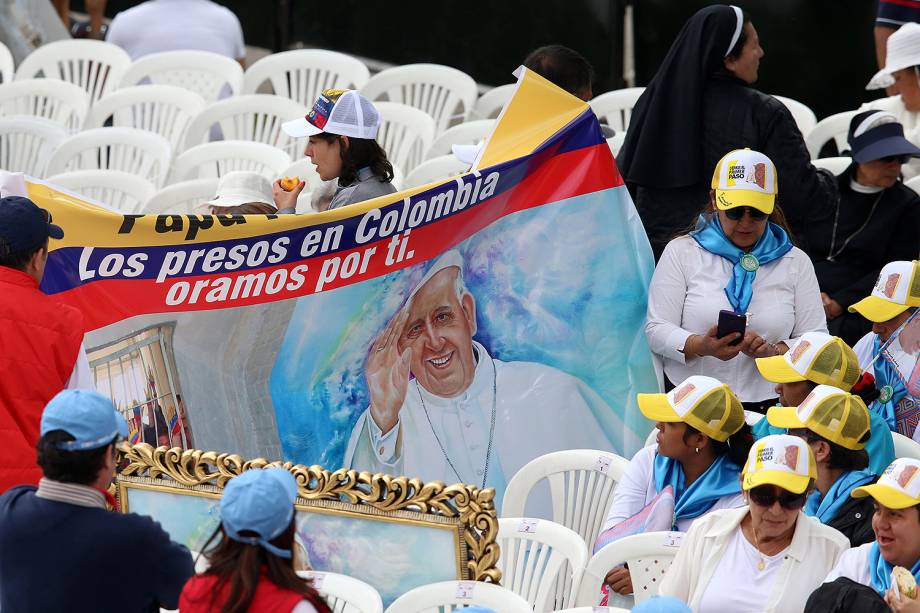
[[730, 322]]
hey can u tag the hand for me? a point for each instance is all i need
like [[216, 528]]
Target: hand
[[619, 580], [710, 345], [754, 346], [387, 373], [832, 308], [901, 604], [286, 199]]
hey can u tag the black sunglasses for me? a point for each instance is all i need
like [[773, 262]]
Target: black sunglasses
[[766, 496], [738, 212], [900, 159]]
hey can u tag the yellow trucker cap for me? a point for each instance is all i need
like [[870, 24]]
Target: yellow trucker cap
[[816, 356], [896, 290], [897, 488], [705, 403], [782, 460], [745, 178], [829, 412]]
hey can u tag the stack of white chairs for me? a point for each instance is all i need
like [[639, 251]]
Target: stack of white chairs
[[905, 447], [26, 143], [405, 133], [7, 67], [435, 169], [913, 183], [182, 198], [466, 133], [833, 127], [127, 149], [220, 157], [835, 164], [96, 67], [205, 73], [59, 101], [302, 74], [491, 103], [345, 594], [122, 191], [450, 596]]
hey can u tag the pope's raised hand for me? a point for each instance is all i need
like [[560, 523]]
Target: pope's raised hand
[[387, 374]]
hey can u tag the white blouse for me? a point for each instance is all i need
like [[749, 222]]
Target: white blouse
[[688, 291]]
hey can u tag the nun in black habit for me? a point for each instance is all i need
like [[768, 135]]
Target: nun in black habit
[[699, 106]]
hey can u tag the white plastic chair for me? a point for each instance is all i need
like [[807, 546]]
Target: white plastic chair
[[615, 142], [615, 108], [345, 594], [490, 104], [648, 555], [217, 158], [119, 190], [128, 149], [914, 184], [202, 72], [594, 610], [804, 117], [405, 133], [181, 198], [253, 117], [448, 596], [540, 561], [835, 164], [26, 143], [302, 74], [97, 67], [905, 447], [445, 93], [162, 109], [53, 99], [442, 167], [7, 68], [466, 133], [833, 127], [581, 483]]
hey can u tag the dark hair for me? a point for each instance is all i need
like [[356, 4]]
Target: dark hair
[[80, 467], [562, 66], [20, 260], [360, 153], [239, 566], [841, 457], [735, 52], [737, 447]]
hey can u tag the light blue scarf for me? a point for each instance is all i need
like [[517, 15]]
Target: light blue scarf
[[880, 570], [825, 507], [719, 480], [773, 245], [886, 374]]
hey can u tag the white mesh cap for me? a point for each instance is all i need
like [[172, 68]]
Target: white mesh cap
[[337, 111]]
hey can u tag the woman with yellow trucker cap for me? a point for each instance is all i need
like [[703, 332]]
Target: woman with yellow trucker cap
[[737, 266], [893, 300], [816, 359], [702, 443], [896, 523], [768, 556]]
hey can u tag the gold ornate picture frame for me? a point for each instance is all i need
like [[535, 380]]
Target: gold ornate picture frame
[[342, 515]]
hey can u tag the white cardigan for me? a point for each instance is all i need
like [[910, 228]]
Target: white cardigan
[[814, 551]]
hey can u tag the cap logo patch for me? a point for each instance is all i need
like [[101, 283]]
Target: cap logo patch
[[907, 475], [798, 350], [735, 172], [758, 175], [683, 392], [321, 110], [764, 455], [790, 457], [887, 286]]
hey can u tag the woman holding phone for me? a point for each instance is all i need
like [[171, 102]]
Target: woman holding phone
[[733, 288]]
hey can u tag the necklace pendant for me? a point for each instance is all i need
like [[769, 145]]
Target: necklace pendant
[[761, 565]]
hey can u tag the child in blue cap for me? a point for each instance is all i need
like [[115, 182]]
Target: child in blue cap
[[251, 568]]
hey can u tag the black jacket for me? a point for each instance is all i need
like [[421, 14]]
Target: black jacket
[[854, 521], [844, 596]]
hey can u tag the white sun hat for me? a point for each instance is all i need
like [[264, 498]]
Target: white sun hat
[[242, 187], [903, 52]]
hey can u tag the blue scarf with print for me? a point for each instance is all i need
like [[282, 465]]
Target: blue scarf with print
[[773, 245], [887, 376], [880, 570], [719, 480], [825, 507]]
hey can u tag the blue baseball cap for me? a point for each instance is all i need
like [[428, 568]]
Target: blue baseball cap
[[24, 226], [261, 501], [661, 604], [884, 140], [86, 415]]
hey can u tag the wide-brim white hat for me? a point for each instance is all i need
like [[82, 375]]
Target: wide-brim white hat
[[242, 187], [903, 51]]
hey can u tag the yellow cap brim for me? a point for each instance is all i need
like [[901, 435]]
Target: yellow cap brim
[[656, 407], [876, 309], [788, 481], [777, 370], [885, 495], [733, 198], [784, 417]]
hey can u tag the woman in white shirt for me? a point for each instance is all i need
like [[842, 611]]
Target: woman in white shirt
[[767, 557], [739, 259]]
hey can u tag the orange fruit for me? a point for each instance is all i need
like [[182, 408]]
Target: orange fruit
[[289, 183]]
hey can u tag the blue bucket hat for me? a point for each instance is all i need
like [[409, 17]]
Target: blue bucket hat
[[86, 415], [260, 501], [885, 140], [24, 226]]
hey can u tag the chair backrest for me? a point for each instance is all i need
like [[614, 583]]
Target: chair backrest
[[615, 108], [615, 142], [647, 555], [540, 561], [345, 594], [905, 447], [119, 190], [97, 67], [7, 68], [202, 72], [302, 74], [581, 483], [804, 117], [220, 157], [835, 164], [448, 596], [406, 133], [53, 99], [490, 104], [253, 117], [833, 127], [445, 93], [914, 184], [442, 167], [128, 149], [162, 109], [181, 198], [466, 133], [26, 143]]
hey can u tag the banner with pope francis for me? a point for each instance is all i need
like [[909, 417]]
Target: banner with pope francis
[[450, 332]]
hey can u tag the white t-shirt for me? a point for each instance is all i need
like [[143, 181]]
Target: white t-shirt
[[173, 25], [854, 565], [738, 567], [637, 488], [688, 291]]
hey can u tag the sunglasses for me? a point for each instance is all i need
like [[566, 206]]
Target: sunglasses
[[737, 213], [766, 496], [900, 159]]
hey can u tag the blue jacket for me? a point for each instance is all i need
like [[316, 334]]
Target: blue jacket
[[56, 556]]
